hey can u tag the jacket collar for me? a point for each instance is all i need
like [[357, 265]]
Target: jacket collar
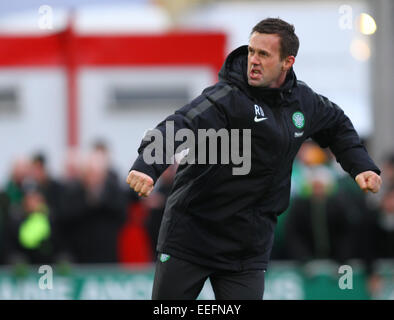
[[234, 71]]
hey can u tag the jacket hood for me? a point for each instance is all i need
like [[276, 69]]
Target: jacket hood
[[234, 71]]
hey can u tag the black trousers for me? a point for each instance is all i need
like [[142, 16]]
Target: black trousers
[[177, 279]]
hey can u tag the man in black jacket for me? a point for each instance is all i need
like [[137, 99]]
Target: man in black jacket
[[219, 223]]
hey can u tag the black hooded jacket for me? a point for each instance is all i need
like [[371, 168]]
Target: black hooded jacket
[[222, 220]]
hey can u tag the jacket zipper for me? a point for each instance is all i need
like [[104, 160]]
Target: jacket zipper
[[284, 131], [287, 132]]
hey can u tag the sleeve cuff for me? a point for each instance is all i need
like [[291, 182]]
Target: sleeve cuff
[[141, 166]]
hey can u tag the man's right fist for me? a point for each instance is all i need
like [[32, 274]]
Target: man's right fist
[[140, 182]]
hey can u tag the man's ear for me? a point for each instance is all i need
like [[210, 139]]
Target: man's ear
[[288, 63]]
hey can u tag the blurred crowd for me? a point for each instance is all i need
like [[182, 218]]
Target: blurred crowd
[[330, 217], [91, 216], [77, 219]]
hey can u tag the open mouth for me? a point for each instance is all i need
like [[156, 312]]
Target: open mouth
[[255, 74]]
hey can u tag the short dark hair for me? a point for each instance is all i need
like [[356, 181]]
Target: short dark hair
[[39, 158], [289, 42]]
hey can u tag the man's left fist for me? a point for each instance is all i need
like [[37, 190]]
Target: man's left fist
[[369, 181]]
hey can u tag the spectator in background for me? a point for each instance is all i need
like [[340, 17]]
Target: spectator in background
[[12, 203], [101, 147], [309, 156], [11, 199], [92, 213], [388, 172], [382, 235], [20, 177], [138, 238], [377, 239], [71, 185], [28, 237], [49, 187], [3, 215], [134, 243], [318, 226], [28, 228], [72, 166]]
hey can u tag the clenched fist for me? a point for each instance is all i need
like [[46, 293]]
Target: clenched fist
[[369, 181], [140, 182]]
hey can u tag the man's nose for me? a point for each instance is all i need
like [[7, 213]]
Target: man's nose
[[254, 59]]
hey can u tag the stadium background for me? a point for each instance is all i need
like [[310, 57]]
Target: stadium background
[[80, 83]]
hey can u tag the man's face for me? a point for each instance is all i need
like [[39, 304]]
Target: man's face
[[264, 64]]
